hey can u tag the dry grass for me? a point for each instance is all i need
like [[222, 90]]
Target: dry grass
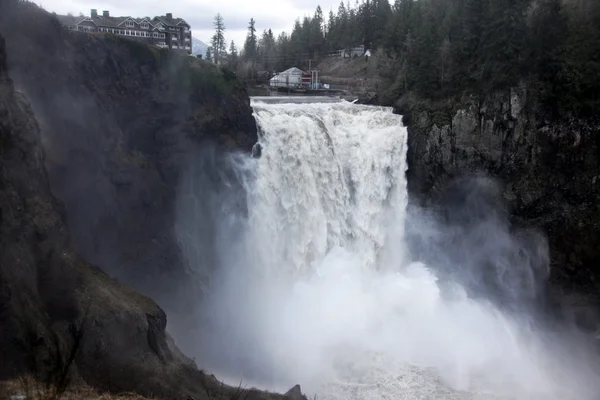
[[33, 390]]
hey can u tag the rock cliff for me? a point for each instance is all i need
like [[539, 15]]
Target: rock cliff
[[549, 170], [120, 121], [48, 292], [105, 125]]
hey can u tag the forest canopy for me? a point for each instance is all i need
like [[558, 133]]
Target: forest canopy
[[438, 48]]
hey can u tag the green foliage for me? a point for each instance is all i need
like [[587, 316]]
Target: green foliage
[[147, 55], [250, 45], [232, 57], [442, 48], [200, 77]]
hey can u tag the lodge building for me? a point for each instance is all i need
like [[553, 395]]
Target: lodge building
[[162, 31]]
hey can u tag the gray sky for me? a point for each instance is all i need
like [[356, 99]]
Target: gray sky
[[278, 15]]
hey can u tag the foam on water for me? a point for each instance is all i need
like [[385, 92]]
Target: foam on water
[[321, 292]]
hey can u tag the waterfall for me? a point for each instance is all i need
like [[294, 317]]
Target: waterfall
[[331, 175], [318, 289]]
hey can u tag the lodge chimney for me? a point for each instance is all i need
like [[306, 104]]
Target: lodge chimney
[[105, 14], [94, 13], [169, 16]]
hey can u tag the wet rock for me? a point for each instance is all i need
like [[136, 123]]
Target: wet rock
[[47, 290], [257, 150], [295, 393], [120, 120], [547, 170]]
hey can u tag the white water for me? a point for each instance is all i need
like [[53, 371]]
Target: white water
[[320, 290]]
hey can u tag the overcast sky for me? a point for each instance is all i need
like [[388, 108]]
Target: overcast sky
[[278, 15]]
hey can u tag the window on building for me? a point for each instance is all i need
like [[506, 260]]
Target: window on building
[[129, 24], [144, 25]]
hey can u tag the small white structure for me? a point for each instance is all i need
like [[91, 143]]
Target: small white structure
[[289, 78], [358, 51]]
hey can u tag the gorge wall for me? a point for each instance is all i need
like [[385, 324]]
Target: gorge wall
[[95, 132], [549, 171], [48, 293], [119, 121]]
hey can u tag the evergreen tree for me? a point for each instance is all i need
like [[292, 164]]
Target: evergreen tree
[[449, 47], [332, 39], [266, 50], [503, 47], [209, 54], [317, 35], [250, 46], [218, 40], [233, 56]]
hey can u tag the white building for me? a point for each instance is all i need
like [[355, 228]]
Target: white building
[[289, 78]]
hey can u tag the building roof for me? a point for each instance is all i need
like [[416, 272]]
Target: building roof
[[111, 22], [291, 71], [114, 22], [170, 21]]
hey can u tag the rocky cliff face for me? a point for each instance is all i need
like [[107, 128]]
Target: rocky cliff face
[[119, 122], [53, 303], [46, 288], [549, 171]]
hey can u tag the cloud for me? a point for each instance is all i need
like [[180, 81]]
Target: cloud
[[276, 15]]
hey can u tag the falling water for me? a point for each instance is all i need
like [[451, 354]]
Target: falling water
[[320, 290]]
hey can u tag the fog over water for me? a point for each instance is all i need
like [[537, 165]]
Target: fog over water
[[331, 280]]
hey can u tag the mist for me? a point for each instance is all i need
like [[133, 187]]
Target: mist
[[321, 273]]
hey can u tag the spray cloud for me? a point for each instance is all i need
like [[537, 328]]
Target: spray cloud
[[315, 284]]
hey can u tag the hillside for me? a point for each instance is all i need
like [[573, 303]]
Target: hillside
[[120, 121], [91, 150], [358, 75]]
